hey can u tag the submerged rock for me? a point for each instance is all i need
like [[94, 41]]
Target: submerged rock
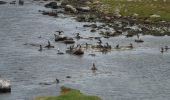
[[52, 5]]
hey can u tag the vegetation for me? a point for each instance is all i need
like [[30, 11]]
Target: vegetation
[[69, 94], [140, 8]]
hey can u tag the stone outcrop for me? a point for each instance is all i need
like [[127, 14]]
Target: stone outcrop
[[5, 86]]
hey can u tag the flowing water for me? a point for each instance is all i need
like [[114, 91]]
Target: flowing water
[[142, 73]]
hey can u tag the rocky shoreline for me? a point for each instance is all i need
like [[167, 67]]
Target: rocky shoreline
[[87, 11]]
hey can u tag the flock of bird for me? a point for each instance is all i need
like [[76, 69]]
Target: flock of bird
[[79, 49]]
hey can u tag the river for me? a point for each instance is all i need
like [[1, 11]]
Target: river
[[142, 73]]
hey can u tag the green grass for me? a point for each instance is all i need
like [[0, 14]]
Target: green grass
[[69, 94], [144, 9]]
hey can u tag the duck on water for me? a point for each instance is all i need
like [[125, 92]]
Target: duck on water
[[59, 52], [49, 45]]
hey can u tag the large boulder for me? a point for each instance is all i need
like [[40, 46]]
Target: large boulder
[[2, 2], [71, 9], [52, 5], [5, 86]]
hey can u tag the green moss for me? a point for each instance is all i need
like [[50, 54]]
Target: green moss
[[69, 94]]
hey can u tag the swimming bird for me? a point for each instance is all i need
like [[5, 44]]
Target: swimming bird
[[59, 52], [92, 54], [162, 50], [166, 48], [40, 48], [59, 32], [57, 81], [117, 46], [107, 46], [94, 67], [130, 45], [77, 36], [99, 41], [49, 45]]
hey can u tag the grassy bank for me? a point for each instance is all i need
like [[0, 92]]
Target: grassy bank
[[140, 8], [69, 94]]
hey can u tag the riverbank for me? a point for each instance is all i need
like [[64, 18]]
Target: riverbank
[[150, 21], [69, 94]]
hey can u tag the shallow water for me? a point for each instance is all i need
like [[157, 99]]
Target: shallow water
[[139, 74]]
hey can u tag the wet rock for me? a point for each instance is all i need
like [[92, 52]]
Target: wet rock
[[68, 76], [2, 2], [13, 2], [86, 25], [139, 41], [108, 34], [86, 18], [45, 83], [60, 37], [83, 9], [81, 18], [93, 26], [50, 13], [5, 86], [92, 30], [69, 41], [64, 3], [78, 51], [21, 2], [52, 5], [71, 9]]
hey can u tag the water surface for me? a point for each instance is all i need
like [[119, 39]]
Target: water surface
[[139, 74]]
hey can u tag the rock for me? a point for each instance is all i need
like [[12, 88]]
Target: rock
[[21, 2], [93, 26], [139, 41], [71, 9], [5, 86], [83, 9], [68, 76], [52, 5], [13, 2], [2, 2], [155, 16], [64, 3], [78, 52], [93, 30], [69, 41], [117, 13], [135, 15], [50, 13]]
